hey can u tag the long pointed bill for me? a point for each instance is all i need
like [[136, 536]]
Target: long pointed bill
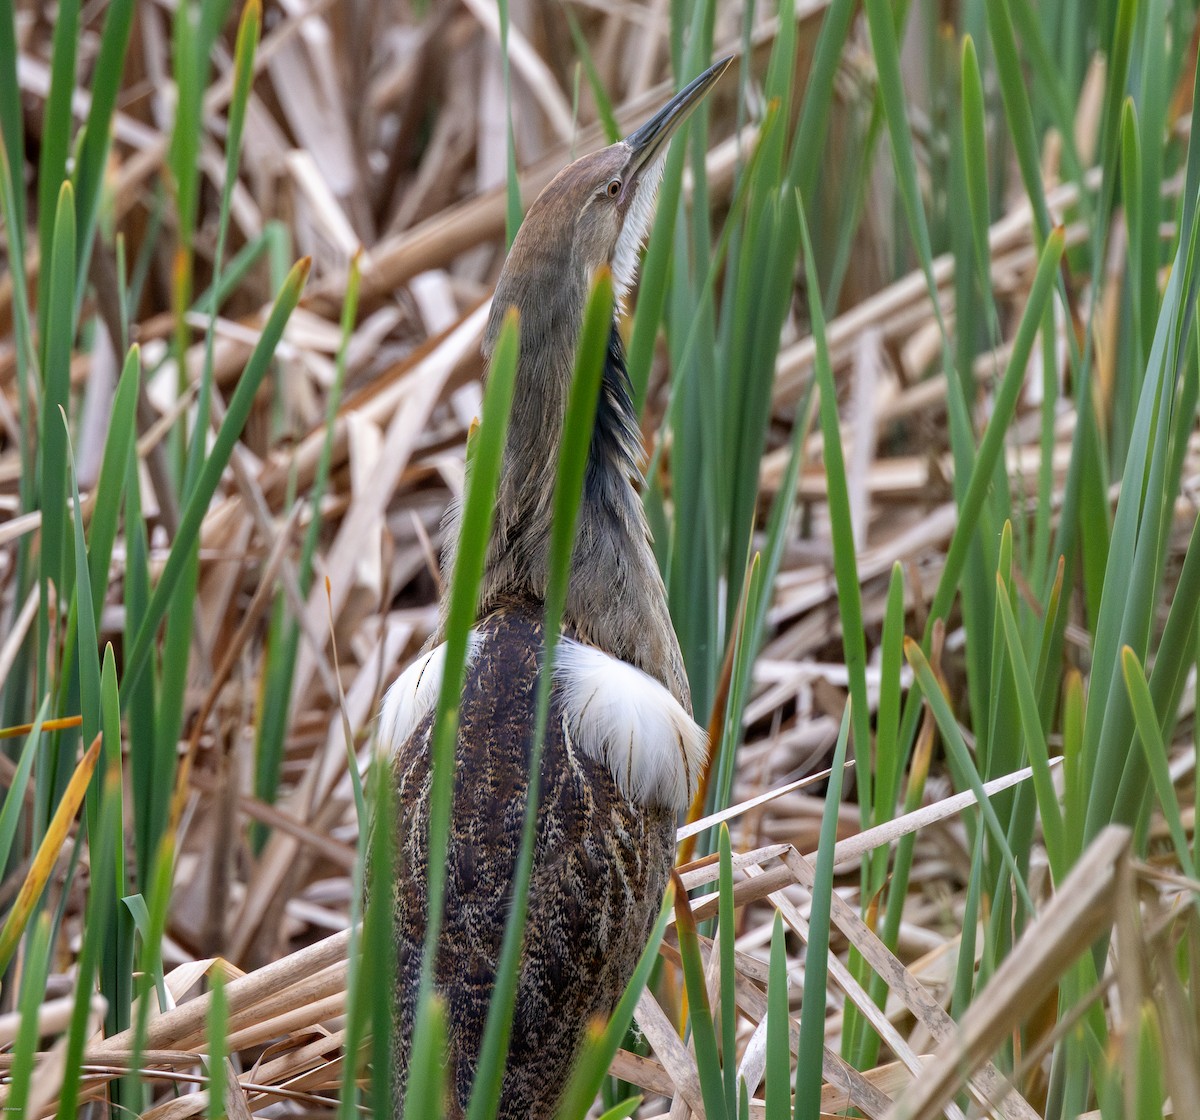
[[649, 141]]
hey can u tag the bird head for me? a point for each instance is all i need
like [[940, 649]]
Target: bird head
[[595, 212]]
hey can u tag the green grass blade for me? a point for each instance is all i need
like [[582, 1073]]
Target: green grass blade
[[110, 486], [116, 965], [10, 814], [608, 119], [33, 986], [1035, 739], [975, 162], [283, 641], [484, 459], [370, 851], [149, 804], [960, 758], [235, 272], [805, 166], [704, 1036], [100, 902], [1134, 562], [811, 1052], [183, 154], [12, 129], [52, 448], [656, 269], [1156, 755], [891, 88], [1141, 253], [622, 1110], [206, 485], [151, 921], [778, 1076], [726, 932], [966, 975], [427, 1080], [1018, 112], [1116, 76], [845, 561], [372, 1008], [12, 210], [218, 1019], [88, 177], [600, 1047], [512, 184], [746, 641], [1177, 646], [574, 449], [243, 76], [992, 444], [889, 764], [56, 144], [84, 615]]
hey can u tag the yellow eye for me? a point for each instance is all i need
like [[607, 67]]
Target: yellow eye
[[614, 188]]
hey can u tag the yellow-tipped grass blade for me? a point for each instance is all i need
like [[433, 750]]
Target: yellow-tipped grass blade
[[47, 853], [20, 729]]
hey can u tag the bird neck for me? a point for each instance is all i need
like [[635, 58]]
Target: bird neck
[[616, 600]]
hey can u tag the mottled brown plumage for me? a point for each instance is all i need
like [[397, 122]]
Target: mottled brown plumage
[[600, 867], [603, 853]]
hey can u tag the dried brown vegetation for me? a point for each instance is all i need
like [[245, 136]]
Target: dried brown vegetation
[[373, 131]]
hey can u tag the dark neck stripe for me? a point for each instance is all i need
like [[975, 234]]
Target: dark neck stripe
[[615, 436]]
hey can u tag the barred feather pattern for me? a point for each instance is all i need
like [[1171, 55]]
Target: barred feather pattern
[[601, 864]]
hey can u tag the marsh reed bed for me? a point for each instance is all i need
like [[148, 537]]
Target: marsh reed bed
[[916, 357]]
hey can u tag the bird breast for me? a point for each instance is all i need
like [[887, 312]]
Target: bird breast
[[612, 712]]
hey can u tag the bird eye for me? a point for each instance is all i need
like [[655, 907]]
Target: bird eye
[[614, 188]]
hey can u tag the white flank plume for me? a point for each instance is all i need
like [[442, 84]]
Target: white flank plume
[[414, 695], [624, 718]]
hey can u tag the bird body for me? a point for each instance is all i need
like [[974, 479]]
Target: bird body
[[600, 865], [622, 755]]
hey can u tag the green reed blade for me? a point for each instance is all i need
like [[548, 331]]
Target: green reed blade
[[1155, 752], [608, 119], [52, 446], [582, 400], [10, 813], [704, 1036], [283, 642], [84, 615], [805, 164], [483, 473], [25, 1047], [52, 163], [974, 123], [513, 214], [215, 1030], [600, 1046], [12, 129], [960, 758], [230, 430], [777, 1080], [845, 561], [104, 831], [994, 436], [810, 1054], [726, 937], [1035, 740], [622, 1110], [110, 486], [116, 963], [88, 177]]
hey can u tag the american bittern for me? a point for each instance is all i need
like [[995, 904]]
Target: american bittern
[[622, 755]]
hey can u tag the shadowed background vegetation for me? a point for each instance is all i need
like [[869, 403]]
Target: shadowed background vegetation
[[916, 358]]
